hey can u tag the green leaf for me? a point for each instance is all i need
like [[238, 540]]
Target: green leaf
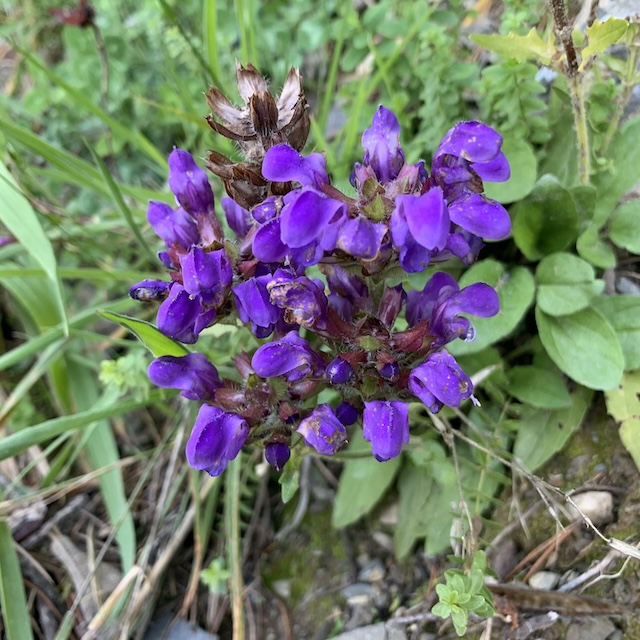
[[22, 222], [624, 226], [593, 249], [289, 479], [516, 289], [601, 35], [524, 165], [520, 48], [623, 312], [584, 346], [363, 482], [566, 284], [152, 338], [15, 613], [541, 434], [611, 185], [624, 405], [546, 221], [538, 387]]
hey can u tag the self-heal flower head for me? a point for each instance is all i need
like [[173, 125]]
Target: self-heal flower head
[[323, 431], [182, 316], [189, 184], [292, 356], [207, 274], [193, 374], [216, 439], [385, 424], [439, 381], [174, 226], [381, 144], [441, 302], [148, 290]]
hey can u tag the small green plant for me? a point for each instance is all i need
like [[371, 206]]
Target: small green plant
[[464, 593]]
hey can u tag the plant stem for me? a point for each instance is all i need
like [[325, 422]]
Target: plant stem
[[232, 526], [576, 88]]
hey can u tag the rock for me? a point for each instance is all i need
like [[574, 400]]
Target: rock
[[384, 540], [163, 627], [590, 629], [358, 594], [283, 588], [373, 571], [597, 505], [544, 580], [373, 632]]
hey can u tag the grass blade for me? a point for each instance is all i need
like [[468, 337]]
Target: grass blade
[[15, 443], [12, 598], [22, 222]]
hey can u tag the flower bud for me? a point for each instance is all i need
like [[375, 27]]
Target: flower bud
[[339, 371], [277, 454]]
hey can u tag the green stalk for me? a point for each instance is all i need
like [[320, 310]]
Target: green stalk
[[232, 526]]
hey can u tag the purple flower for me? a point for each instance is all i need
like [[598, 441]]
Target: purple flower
[[389, 371], [266, 210], [267, 245], [385, 424], [323, 431], [348, 293], [189, 184], [148, 290], [216, 439], [361, 238], [192, 373], [238, 218], [182, 316], [207, 274], [347, 413], [174, 226], [439, 380], [381, 145], [283, 163], [302, 299], [468, 153], [339, 371], [441, 302], [277, 454], [425, 217], [291, 356], [253, 303]]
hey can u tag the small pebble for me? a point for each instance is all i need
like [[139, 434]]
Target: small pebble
[[373, 571], [282, 588], [544, 580], [384, 540], [357, 591], [597, 505]]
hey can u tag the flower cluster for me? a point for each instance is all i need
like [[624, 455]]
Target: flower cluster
[[307, 270]]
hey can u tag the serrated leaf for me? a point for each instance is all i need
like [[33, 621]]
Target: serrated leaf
[[584, 346], [521, 157], [592, 248], [18, 216], [601, 35], [624, 405], [546, 221], [566, 284], [542, 434], [152, 338], [624, 226], [363, 482], [623, 312], [13, 603], [520, 48], [538, 387], [516, 289]]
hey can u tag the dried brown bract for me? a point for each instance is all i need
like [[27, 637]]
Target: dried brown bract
[[263, 121]]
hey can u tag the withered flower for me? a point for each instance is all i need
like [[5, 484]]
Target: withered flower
[[259, 124]]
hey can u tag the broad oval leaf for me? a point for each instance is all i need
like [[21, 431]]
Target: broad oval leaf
[[546, 221], [524, 172], [152, 338], [362, 483], [584, 346], [566, 284], [624, 227], [516, 289], [541, 434], [592, 248], [538, 387], [623, 312]]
